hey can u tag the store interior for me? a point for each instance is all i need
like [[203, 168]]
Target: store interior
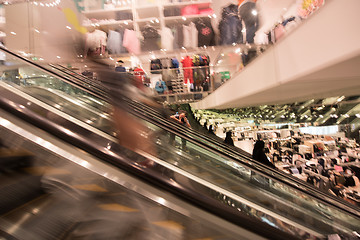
[[93, 100]]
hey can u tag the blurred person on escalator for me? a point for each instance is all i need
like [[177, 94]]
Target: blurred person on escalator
[[182, 119], [228, 138], [259, 154], [131, 132]]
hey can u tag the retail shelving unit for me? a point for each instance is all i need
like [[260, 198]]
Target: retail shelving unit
[[140, 13]]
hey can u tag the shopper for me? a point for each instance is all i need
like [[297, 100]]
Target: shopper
[[228, 138], [180, 118], [259, 154], [120, 67], [249, 14]]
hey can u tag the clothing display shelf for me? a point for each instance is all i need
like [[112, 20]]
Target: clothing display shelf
[[142, 14], [106, 13], [183, 19], [110, 23], [177, 84], [200, 3]]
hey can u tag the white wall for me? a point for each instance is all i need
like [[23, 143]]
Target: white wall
[[310, 62], [43, 31]]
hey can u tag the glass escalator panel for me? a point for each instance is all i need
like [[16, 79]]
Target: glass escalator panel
[[78, 197], [230, 184], [57, 93]]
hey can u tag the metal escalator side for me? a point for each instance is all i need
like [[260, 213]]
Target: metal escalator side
[[80, 197], [256, 195], [236, 154]]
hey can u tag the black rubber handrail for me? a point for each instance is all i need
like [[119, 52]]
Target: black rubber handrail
[[98, 146], [226, 151], [233, 153], [63, 78]]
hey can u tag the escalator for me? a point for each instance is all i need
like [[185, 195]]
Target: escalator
[[64, 193], [239, 193]]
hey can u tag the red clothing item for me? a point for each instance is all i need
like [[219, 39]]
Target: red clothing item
[[139, 77], [188, 71]]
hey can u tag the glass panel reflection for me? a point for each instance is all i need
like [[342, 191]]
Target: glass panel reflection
[[231, 183]]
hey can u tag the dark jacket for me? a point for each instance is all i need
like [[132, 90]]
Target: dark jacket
[[151, 40], [228, 139], [230, 26], [259, 154]]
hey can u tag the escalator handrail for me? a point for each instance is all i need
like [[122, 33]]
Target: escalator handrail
[[179, 130], [98, 146], [236, 155], [65, 79], [270, 173]]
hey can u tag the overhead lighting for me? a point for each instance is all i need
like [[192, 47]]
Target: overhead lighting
[[13, 33]]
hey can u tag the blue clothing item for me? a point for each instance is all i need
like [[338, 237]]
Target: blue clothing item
[[175, 63], [230, 26], [120, 69], [160, 87]]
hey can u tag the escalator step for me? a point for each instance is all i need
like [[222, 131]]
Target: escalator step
[[90, 187], [171, 225], [16, 189], [117, 208], [42, 170], [12, 159]]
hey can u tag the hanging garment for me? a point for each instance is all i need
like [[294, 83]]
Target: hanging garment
[[131, 42], [175, 11], [188, 71], [114, 42], [95, 42], [160, 87], [167, 39], [190, 10], [124, 15], [190, 36], [178, 34], [230, 26], [206, 35], [152, 39], [155, 66]]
